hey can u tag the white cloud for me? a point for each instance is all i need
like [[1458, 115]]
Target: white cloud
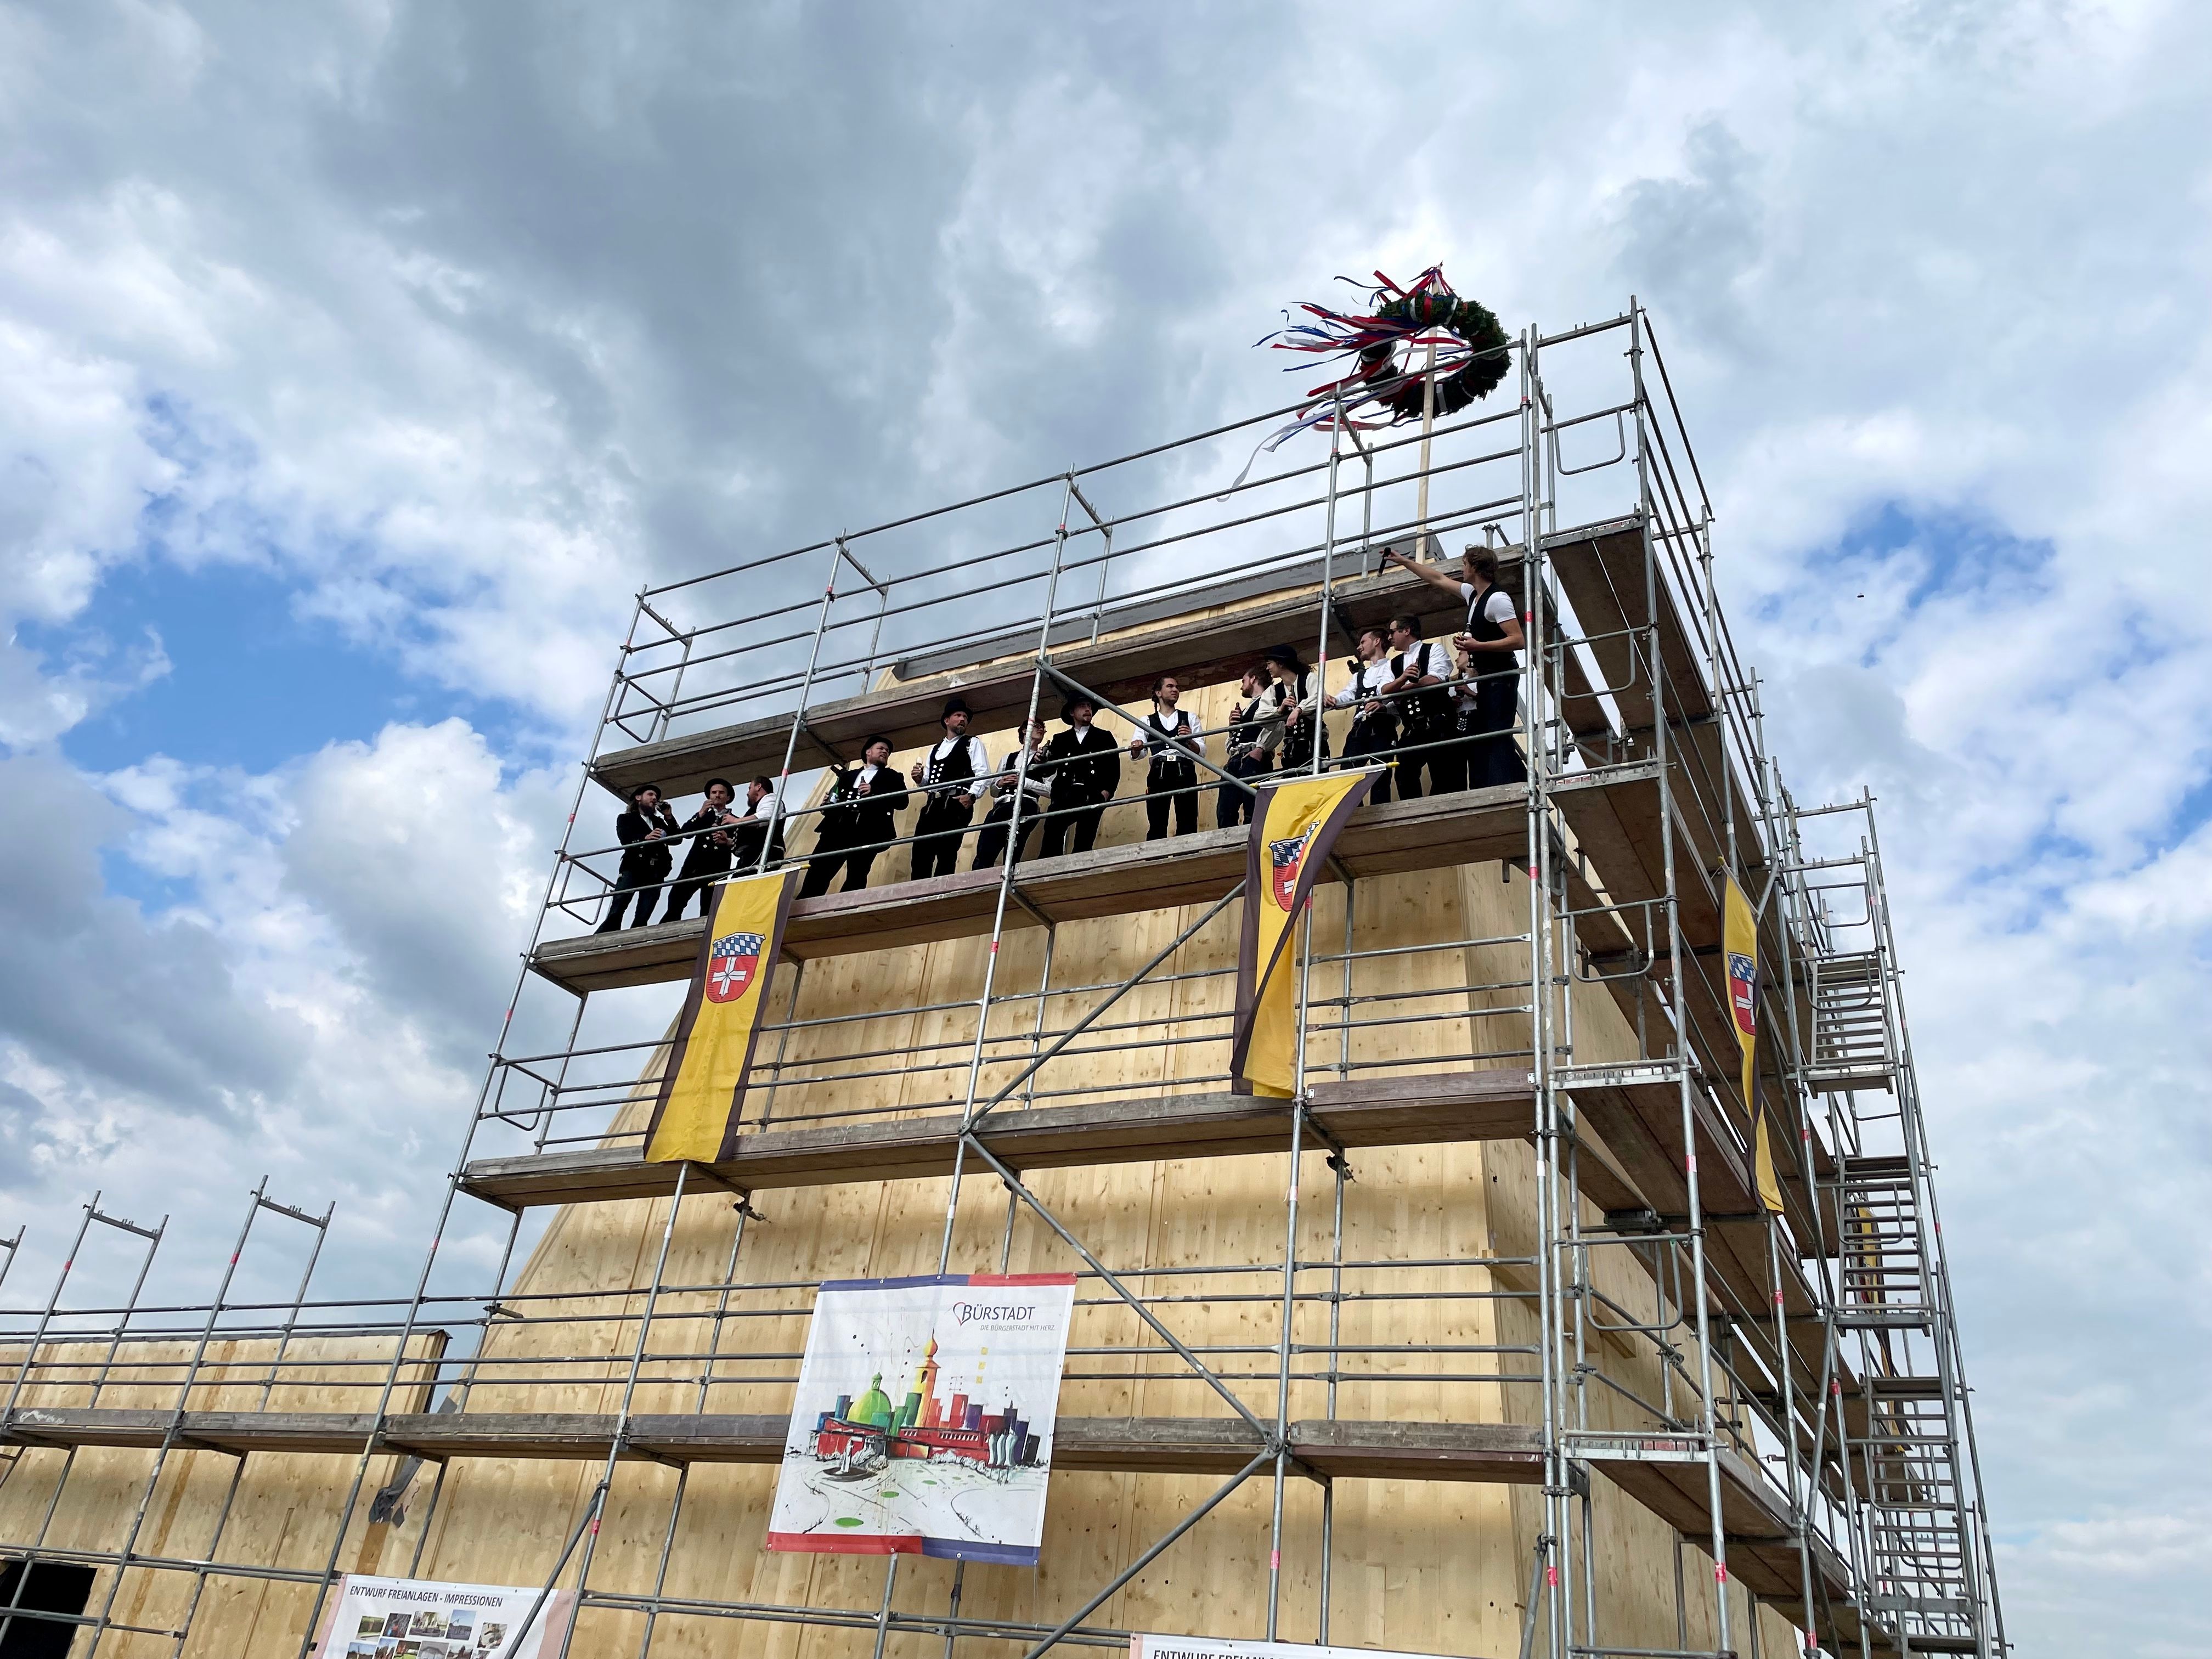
[[462, 324]]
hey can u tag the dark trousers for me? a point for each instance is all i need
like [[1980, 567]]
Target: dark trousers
[[1368, 738], [643, 885], [1084, 821], [937, 835], [1176, 789], [703, 865], [1492, 758], [991, 839], [1446, 759], [1232, 806], [822, 869]]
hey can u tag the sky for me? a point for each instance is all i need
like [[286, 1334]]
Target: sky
[[359, 362]]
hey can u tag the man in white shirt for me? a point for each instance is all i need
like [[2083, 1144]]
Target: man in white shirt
[[1036, 791], [952, 776], [1251, 749], [1493, 642], [1171, 781], [1427, 727], [1374, 732]]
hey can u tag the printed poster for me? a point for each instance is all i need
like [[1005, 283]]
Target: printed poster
[[373, 1617], [924, 1417], [1206, 1647]]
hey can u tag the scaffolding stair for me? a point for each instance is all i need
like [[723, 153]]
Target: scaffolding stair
[[1852, 1044]]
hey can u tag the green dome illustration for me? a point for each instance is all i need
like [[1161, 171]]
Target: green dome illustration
[[873, 1406]]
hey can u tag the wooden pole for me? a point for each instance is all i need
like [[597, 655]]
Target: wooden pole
[[1428, 422]]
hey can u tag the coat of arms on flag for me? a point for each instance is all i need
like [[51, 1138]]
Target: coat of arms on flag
[[733, 966], [1285, 857], [703, 1089], [1743, 974]]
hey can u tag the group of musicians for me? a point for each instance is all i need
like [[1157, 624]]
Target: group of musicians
[[1444, 714]]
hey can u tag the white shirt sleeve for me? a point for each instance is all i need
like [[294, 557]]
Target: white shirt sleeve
[[979, 763], [1497, 606]]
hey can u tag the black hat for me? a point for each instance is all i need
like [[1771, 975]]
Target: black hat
[[955, 704], [726, 784], [875, 738], [1287, 655], [1076, 699], [637, 789]]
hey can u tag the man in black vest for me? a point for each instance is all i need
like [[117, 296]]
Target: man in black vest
[[1086, 767], [1171, 780], [856, 822], [1246, 757], [762, 819], [643, 831], [1427, 724], [1292, 708], [1029, 800], [707, 853], [1493, 642], [1374, 732], [952, 774]]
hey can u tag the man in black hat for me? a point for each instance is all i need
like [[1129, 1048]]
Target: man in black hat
[[707, 852], [856, 822], [952, 774], [1085, 766], [1292, 708], [643, 831]]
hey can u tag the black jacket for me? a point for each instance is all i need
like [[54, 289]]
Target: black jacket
[[643, 859], [861, 820], [1085, 766], [707, 854]]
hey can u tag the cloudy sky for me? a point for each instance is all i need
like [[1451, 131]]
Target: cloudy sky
[[358, 360]]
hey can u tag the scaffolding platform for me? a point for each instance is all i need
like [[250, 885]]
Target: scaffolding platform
[[1398, 1111], [1199, 650]]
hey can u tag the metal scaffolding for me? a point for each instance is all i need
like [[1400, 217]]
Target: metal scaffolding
[[1785, 1391]]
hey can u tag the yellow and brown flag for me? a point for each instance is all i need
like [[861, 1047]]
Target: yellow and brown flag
[[1740, 943], [695, 1119], [1293, 826]]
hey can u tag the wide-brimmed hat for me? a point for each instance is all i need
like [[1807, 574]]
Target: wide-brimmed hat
[[637, 789], [1077, 699], [875, 738], [726, 784], [955, 704], [1287, 655]]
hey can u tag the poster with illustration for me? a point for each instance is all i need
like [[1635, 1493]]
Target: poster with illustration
[[923, 1420], [371, 1618]]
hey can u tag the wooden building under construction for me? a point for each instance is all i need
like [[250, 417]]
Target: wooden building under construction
[[1483, 1344]]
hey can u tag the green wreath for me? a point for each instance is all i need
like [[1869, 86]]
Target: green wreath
[[1489, 351]]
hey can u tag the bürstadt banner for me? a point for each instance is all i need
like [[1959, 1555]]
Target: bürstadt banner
[[703, 1089], [923, 1421], [1740, 944], [1294, 825]]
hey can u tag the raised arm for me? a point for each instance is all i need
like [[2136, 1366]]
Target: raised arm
[[1428, 573]]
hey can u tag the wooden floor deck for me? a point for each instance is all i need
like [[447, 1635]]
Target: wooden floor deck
[[1667, 1482]]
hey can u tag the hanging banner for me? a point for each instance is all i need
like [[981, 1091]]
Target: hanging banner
[[370, 1618], [1740, 943], [923, 1421], [695, 1119], [1206, 1647], [1293, 826]]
